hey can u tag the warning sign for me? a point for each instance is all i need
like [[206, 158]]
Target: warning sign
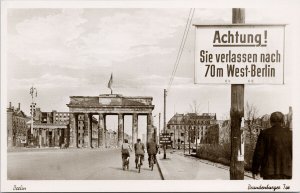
[[239, 54], [165, 138]]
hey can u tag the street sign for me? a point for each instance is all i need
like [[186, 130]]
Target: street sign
[[239, 54], [165, 138], [23, 141], [165, 142]]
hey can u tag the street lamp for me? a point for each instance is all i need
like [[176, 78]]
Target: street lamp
[[33, 93]]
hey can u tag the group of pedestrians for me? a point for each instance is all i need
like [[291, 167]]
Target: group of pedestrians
[[139, 150], [272, 158]]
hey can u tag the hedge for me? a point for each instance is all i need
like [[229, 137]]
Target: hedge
[[221, 154]]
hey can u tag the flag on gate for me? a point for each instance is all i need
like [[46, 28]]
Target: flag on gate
[[110, 82]]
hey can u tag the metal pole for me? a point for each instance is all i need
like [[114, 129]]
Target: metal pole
[[208, 106], [189, 139], [178, 134], [174, 136], [165, 96], [184, 139], [197, 134], [236, 113]]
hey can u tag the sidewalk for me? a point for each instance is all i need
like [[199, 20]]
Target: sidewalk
[[183, 167]]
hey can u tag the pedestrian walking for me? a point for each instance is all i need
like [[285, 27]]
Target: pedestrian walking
[[272, 157]]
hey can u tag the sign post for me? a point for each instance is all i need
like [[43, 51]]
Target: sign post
[[239, 54], [236, 114]]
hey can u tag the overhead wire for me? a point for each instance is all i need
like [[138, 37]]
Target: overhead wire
[[182, 44], [179, 50]]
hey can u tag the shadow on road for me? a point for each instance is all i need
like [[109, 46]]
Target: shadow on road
[[131, 170], [121, 169]]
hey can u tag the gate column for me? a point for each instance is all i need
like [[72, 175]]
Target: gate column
[[73, 130], [150, 130], [87, 130], [134, 128], [101, 132], [90, 130], [120, 129]]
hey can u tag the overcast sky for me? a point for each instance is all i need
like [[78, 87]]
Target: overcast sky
[[69, 52]]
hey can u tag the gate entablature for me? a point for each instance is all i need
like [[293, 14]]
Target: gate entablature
[[111, 104]]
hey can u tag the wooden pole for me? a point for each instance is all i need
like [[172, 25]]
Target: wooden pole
[[165, 96], [236, 113], [159, 129]]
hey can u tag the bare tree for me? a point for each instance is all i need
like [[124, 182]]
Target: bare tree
[[251, 114], [195, 107], [225, 116]]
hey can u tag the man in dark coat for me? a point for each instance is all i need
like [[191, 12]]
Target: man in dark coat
[[152, 149], [273, 153], [139, 149]]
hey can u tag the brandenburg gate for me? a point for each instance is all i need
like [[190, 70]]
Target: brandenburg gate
[[82, 108]]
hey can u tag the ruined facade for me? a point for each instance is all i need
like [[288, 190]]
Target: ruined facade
[[194, 128], [16, 127], [50, 129]]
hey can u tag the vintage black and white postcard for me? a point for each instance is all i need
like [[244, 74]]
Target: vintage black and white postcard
[[150, 96]]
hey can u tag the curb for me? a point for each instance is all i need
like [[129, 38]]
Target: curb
[[159, 169], [216, 164]]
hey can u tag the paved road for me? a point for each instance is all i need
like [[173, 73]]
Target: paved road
[[74, 164]]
